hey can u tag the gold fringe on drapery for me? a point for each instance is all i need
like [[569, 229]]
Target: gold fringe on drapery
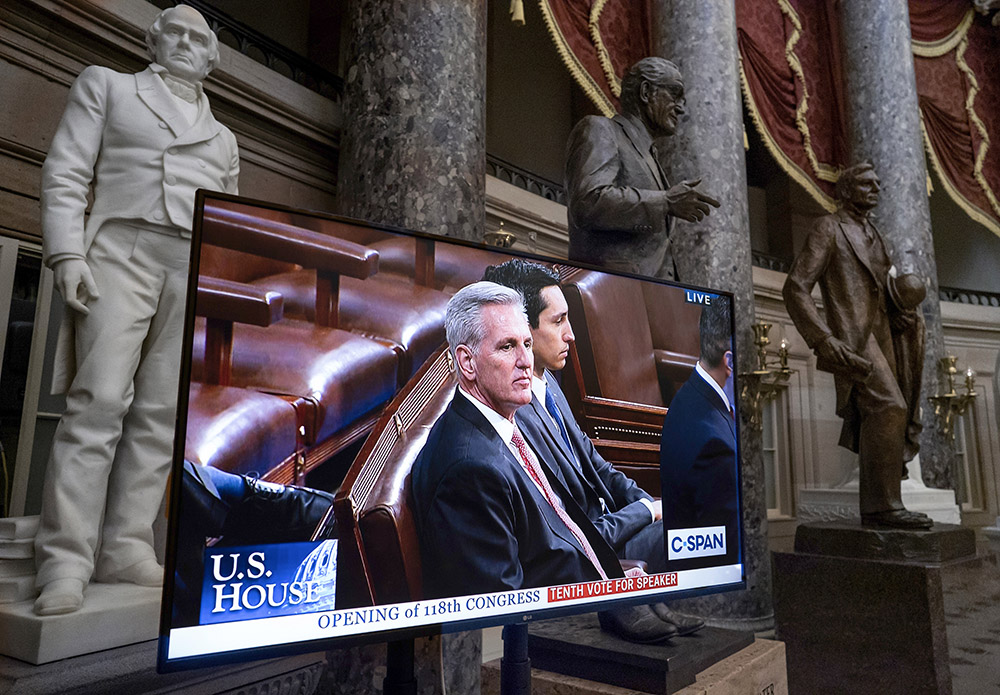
[[579, 73], [958, 41]]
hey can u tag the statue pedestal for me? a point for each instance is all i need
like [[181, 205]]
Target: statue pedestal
[[841, 503], [112, 615], [861, 609], [577, 647], [758, 668], [132, 669]]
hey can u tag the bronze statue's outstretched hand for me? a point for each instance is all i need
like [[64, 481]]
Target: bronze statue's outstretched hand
[[75, 283], [688, 203]]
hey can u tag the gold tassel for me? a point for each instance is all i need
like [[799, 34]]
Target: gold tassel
[[517, 12]]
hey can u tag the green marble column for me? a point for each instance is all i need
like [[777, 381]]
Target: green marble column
[[413, 154], [413, 144], [700, 38], [884, 121]]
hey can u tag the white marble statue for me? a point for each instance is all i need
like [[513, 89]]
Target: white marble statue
[[143, 143]]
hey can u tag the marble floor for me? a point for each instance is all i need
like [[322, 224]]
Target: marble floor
[[972, 615]]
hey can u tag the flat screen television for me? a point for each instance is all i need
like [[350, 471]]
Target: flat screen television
[[315, 366]]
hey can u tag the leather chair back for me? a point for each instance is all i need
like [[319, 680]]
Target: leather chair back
[[613, 340], [379, 552]]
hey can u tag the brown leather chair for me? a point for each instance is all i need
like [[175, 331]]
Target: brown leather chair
[[446, 267], [610, 379], [379, 552], [385, 307], [230, 428], [673, 327], [336, 380]]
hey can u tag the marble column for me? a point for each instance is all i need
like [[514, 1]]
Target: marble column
[[700, 38], [413, 147], [884, 121], [413, 155]]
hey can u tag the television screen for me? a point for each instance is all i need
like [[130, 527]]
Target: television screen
[[331, 485]]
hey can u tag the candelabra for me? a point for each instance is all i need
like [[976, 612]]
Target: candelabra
[[765, 382], [950, 404]]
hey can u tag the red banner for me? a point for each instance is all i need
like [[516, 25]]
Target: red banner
[[598, 40], [790, 67], [955, 54]]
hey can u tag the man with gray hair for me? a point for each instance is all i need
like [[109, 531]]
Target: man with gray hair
[[491, 517], [619, 202], [142, 144]]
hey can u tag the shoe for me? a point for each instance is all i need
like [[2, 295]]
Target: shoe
[[143, 573], [202, 503], [271, 513], [897, 518], [686, 625], [60, 596], [637, 624]]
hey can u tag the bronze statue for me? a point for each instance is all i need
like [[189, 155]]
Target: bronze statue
[[872, 340], [618, 196]]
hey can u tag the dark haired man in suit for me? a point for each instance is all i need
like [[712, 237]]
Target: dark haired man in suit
[[698, 475], [491, 516], [626, 516]]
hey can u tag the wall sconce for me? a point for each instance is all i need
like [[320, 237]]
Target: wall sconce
[[500, 238], [950, 404], [764, 383]]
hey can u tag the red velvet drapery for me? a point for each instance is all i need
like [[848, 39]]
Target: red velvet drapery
[[790, 72], [598, 40], [957, 56]]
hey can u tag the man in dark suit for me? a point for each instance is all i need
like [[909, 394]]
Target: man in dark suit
[[491, 516], [698, 466], [626, 517], [870, 339], [486, 521], [619, 201]]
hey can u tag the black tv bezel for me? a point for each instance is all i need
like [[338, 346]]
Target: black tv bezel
[[166, 665]]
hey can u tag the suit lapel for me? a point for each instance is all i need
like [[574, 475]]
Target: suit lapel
[[709, 394], [155, 95], [855, 237], [204, 128], [555, 524], [550, 427], [647, 158]]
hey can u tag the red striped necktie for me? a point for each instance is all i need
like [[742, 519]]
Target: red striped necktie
[[538, 475]]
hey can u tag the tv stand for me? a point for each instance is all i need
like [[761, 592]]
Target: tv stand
[[515, 666]]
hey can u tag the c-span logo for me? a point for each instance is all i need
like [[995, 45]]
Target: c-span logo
[[686, 543]]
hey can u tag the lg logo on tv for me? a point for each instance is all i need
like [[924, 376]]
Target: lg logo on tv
[[686, 543]]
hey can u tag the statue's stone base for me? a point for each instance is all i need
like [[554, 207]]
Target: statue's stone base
[[132, 670], [861, 609], [992, 536], [841, 503], [758, 668], [577, 646], [112, 615]]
